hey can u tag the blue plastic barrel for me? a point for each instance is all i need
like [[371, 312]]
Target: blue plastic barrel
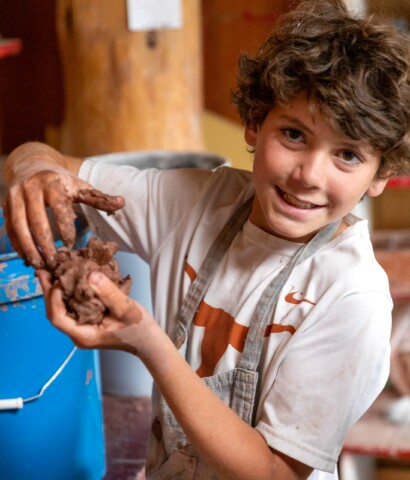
[[60, 435]]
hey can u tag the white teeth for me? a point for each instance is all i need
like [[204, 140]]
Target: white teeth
[[297, 203]]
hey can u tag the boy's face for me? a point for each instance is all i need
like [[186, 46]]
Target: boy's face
[[306, 174]]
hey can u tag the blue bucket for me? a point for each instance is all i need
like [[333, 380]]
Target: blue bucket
[[55, 431]]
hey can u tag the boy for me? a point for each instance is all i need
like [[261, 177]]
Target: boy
[[272, 317]]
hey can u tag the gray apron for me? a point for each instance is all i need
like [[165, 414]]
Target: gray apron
[[170, 454]]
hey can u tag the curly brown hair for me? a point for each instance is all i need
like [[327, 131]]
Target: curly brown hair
[[355, 70]]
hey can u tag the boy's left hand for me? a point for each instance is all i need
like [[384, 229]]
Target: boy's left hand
[[122, 329]]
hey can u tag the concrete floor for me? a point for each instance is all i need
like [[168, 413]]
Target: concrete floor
[[127, 423]]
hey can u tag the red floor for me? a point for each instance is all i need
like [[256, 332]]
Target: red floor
[[127, 422]]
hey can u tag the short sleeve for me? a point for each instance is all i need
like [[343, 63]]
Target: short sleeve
[[332, 373], [156, 200]]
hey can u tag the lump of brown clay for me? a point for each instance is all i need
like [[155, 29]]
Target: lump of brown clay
[[71, 273]]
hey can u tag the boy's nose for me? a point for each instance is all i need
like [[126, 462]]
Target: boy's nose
[[311, 170]]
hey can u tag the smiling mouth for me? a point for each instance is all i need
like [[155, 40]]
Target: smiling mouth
[[296, 202]]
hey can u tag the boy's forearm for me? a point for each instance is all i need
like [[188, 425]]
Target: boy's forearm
[[231, 447]]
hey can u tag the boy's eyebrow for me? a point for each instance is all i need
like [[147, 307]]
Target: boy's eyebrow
[[297, 122]]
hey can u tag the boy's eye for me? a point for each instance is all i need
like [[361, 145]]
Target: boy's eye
[[293, 134], [350, 156]]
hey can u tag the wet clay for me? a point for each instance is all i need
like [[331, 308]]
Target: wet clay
[[71, 273]]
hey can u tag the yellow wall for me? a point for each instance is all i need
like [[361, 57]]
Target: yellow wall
[[225, 137]]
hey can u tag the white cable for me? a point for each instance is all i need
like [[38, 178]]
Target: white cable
[[18, 403], [11, 403]]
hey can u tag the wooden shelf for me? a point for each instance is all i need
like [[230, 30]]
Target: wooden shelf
[[375, 436], [9, 47], [399, 182], [392, 251]]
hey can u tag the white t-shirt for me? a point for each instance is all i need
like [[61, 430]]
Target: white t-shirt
[[326, 355]]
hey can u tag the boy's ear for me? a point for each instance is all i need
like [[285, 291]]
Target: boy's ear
[[377, 186], [250, 135]]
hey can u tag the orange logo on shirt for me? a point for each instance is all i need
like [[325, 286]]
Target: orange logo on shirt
[[290, 298], [220, 331]]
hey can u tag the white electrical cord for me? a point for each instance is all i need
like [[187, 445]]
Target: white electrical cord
[[18, 403]]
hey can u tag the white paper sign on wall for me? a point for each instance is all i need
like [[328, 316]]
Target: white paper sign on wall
[[154, 14]]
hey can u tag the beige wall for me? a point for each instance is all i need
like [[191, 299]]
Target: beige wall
[[395, 9], [225, 137]]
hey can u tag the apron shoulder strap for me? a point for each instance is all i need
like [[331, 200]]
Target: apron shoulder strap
[[264, 309], [204, 277]]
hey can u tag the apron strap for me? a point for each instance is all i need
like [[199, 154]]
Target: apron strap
[[204, 277], [263, 311]]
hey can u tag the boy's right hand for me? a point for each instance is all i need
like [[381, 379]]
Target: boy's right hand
[[25, 212]]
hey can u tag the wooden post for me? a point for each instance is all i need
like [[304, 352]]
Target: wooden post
[[232, 27], [128, 90]]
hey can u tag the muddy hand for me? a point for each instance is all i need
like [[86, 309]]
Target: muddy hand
[[26, 217], [118, 330]]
